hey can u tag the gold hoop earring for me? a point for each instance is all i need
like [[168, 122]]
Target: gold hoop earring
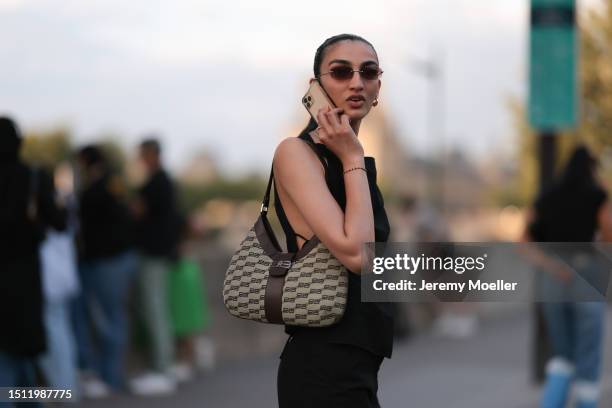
[[375, 103]]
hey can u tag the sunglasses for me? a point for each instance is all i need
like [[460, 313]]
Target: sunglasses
[[346, 73]]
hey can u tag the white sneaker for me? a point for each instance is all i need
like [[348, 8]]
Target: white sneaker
[[92, 387], [182, 372], [205, 353], [452, 326], [153, 384]]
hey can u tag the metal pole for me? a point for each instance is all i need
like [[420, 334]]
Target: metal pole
[[441, 132], [433, 71], [541, 345]]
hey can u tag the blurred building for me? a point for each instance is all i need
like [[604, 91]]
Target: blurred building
[[201, 169]]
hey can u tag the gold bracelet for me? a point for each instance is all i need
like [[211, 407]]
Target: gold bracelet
[[355, 168]]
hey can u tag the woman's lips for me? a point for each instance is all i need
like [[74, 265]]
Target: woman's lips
[[355, 104]]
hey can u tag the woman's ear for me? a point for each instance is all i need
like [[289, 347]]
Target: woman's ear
[[311, 81]]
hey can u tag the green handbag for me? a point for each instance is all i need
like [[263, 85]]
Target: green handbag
[[188, 306]]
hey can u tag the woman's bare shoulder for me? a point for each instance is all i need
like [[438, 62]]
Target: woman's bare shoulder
[[291, 151], [290, 145]]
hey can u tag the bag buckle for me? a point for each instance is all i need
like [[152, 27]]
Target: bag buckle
[[284, 264], [280, 268]]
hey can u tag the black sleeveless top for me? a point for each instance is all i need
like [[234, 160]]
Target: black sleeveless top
[[365, 325], [578, 208]]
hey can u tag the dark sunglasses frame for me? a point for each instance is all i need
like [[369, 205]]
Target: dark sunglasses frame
[[346, 73]]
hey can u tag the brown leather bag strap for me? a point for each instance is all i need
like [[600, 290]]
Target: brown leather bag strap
[[282, 262], [273, 300], [266, 200]]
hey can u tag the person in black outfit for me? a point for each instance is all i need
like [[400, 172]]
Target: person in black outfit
[[326, 187], [573, 210], [107, 266], [27, 209]]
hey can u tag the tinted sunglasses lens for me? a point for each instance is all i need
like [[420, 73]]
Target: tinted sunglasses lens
[[342, 73], [369, 73]]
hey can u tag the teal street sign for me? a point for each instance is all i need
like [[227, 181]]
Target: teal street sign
[[553, 86]]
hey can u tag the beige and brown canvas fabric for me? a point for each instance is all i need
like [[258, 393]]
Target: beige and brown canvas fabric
[[314, 286]]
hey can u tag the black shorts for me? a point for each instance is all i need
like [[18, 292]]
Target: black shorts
[[320, 374]]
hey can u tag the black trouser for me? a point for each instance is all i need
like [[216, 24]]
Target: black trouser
[[319, 374]]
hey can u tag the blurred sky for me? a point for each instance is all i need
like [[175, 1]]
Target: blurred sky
[[228, 75]]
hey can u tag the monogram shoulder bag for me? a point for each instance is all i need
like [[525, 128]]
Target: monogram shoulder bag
[[263, 283]]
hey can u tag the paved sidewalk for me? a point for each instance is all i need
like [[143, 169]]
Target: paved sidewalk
[[489, 370]]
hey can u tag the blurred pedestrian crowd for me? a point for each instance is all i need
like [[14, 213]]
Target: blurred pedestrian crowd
[[89, 269]]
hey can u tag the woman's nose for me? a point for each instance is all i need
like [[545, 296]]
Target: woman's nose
[[356, 82]]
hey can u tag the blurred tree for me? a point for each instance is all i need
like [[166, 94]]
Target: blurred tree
[[113, 151], [595, 126], [47, 148], [192, 196], [525, 187], [596, 77]]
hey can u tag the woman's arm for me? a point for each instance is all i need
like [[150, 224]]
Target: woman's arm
[[552, 265], [301, 175], [604, 222], [50, 212]]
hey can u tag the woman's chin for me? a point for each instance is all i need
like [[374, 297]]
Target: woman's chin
[[355, 114]]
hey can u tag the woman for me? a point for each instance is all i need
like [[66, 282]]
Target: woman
[[326, 187], [574, 210], [107, 266]]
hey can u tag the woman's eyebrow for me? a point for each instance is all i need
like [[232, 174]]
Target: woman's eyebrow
[[370, 62], [346, 62], [339, 61]]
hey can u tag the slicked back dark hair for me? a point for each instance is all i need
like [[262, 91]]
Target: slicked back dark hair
[[320, 54], [579, 169], [318, 60]]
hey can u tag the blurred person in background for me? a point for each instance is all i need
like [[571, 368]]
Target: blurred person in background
[[189, 310], [573, 210], [453, 320], [158, 228], [404, 231], [60, 285], [107, 267], [27, 209]]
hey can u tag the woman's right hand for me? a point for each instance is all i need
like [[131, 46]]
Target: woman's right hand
[[336, 133]]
